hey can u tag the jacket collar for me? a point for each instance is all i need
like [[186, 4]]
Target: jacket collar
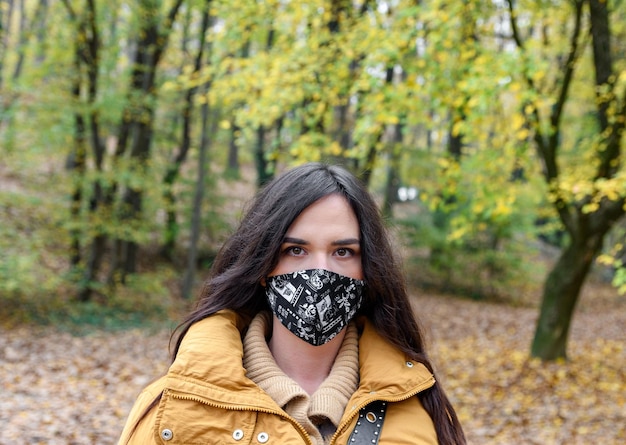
[[386, 373], [209, 365]]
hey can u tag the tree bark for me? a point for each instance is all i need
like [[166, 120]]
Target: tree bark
[[233, 151], [173, 171], [77, 163], [264, 175], [393, 172], [196, 216], [86, 56], [8, 98], [372, 150], [91, 59], [138, 124], [264, 172], [560, 295]]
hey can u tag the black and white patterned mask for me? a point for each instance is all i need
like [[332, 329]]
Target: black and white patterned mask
[[314, 304]]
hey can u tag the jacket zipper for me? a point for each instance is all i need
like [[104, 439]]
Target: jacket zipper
[[345, 423], [299, 427]]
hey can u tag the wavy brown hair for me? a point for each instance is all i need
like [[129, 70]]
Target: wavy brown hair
[[252, 252]]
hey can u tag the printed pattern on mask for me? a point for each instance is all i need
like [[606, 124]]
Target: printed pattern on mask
[[314, 304]]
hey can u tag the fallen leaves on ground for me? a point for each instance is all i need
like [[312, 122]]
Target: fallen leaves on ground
[[502, 396], [61, 389]]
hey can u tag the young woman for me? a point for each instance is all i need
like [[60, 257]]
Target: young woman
[[303, 333]]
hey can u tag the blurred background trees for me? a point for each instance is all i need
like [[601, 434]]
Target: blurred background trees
[[131, 133]]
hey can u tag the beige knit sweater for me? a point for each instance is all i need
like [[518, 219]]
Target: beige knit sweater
[[320, 412]]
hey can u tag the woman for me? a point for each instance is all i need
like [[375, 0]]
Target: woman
[[303, 334]]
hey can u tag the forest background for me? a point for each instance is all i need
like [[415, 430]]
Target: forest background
[[132, 134]]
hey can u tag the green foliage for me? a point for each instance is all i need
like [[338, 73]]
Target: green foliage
[[614, 258], [484, 266], [144, 301], [30, 240]]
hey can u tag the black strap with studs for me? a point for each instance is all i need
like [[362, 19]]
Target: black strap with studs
[[369, 424]]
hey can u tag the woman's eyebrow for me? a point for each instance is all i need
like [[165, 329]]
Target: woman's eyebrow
[[291, 240], [339, 242], [345, 242]]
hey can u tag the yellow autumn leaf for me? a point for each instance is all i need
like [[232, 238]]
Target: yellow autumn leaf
[[517, 121], [335, 149], [456, 127], [457, 234], [522, 134], [591, 207]]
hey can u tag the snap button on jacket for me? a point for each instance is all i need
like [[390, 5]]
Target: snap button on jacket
[[206, 398]]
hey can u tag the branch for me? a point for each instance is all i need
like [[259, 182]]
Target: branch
[[164, 35], [611, 131], [568, 69], [70, 10], [547, 149], [516, 35]]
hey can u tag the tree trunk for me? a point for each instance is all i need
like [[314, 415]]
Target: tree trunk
[[92, 267], [343, 131], [587, 231], [232, 167], [40, 26], [91, 58], [173, 171], [77, 163], [138, 125], [393, 168], [8, 98], [23, 40], [196, 216], [86, 58], [264, 174], [455, 141], [372, 151], [5, 26], [132, 202], [560, 294]]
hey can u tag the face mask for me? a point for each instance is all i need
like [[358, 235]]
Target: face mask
[[315, 304]]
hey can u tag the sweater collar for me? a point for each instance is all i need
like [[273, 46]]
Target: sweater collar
[[331, 397]]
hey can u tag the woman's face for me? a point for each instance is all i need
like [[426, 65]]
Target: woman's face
[[324, 236]]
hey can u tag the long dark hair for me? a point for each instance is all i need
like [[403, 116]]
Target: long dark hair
[[252, 252]]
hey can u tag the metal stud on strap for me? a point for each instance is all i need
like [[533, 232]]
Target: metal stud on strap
[[369, 424]]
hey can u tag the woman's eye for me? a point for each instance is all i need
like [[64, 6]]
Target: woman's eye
[[295, 250], [343, 252]]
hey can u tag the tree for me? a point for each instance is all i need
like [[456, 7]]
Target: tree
[[137, 128], [87, 128], [107, 199], [208, 131], [16, 42], [589, 198], [173, 170]]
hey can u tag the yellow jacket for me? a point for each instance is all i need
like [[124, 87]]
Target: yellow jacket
[[207, 398]]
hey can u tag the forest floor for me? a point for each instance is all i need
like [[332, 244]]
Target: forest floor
[[63, 389]]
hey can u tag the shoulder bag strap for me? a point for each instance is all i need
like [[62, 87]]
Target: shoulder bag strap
[[369, 424]]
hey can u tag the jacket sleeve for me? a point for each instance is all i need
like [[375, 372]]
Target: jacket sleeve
[[139, 428]]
